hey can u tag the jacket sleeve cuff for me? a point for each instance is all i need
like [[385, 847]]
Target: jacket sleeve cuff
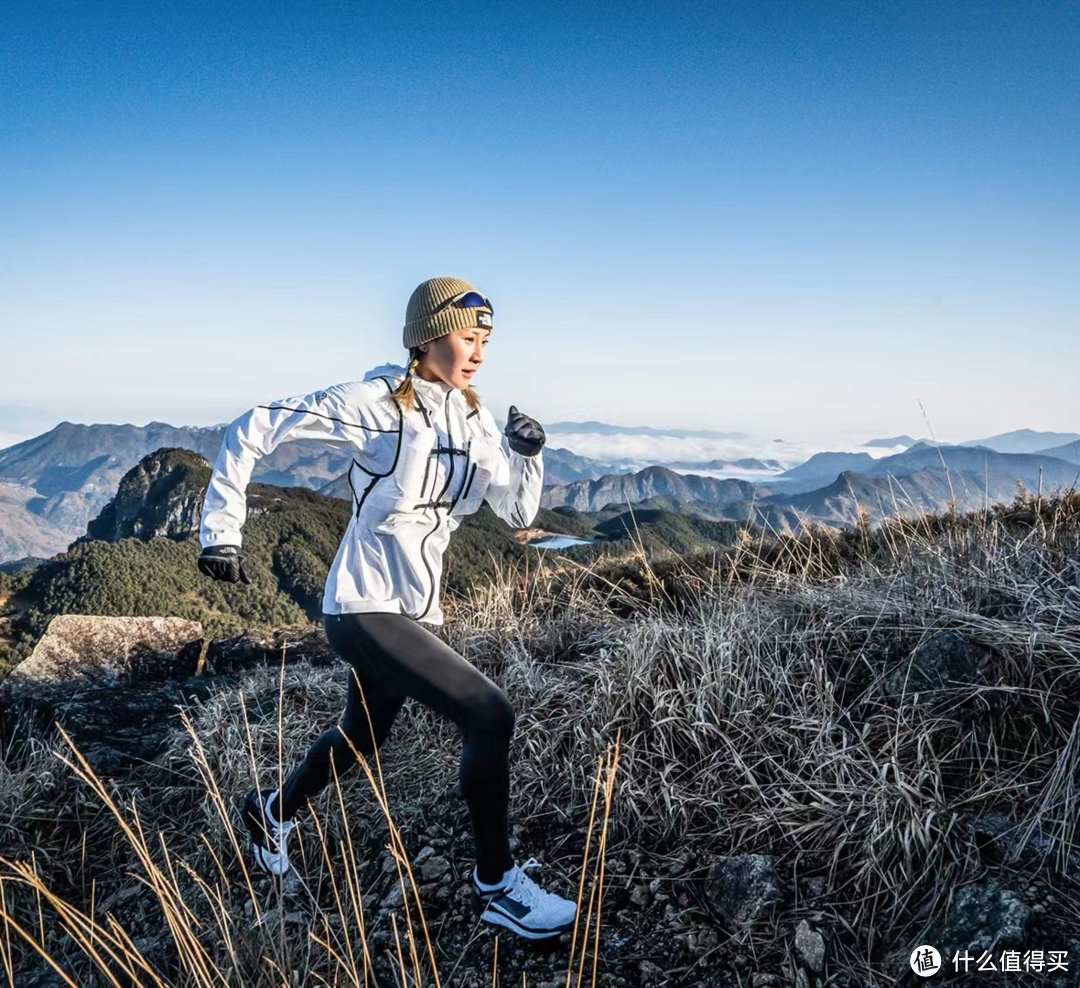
[[220, 538]]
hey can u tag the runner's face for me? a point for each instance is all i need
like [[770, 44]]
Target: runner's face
[[456, 357]]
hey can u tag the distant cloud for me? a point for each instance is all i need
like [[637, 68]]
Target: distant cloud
[[645, 450]]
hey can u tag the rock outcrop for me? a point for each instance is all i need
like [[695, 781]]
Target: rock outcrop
[[105, 651], [161, 496], [116, 689]]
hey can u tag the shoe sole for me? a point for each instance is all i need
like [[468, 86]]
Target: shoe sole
[[496, 918]]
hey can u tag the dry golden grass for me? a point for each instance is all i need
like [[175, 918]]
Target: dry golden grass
[[730, 703]]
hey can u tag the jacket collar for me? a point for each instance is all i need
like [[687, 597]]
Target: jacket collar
[[432, 393]]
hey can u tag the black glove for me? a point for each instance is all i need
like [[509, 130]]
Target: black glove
[[526, 435], [224, 562]]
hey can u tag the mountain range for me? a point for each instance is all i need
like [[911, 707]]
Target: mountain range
[[53, 485], [922, 478]]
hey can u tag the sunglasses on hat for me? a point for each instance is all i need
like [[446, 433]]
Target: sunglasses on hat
[[467, 300]]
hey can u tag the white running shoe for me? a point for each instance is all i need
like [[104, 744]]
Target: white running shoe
[[523, 907], [269, 839]]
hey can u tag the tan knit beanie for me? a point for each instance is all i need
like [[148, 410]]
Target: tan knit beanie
[[423, 322]]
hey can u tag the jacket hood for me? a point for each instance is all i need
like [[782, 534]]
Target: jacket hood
[[385, 370]]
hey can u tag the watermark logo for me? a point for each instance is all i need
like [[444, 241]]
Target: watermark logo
[[925, 961]]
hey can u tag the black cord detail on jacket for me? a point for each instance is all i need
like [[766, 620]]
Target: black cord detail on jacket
[[468, 483], [308, 411], [423, 410], [423, 483], [356, 500], [376, 477]]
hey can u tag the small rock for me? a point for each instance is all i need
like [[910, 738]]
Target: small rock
[[764, 980], [811, 945], [651, 974], [677, 867], [743, 886], [640, 896], [434, 868], [702, 940], [424, 854]]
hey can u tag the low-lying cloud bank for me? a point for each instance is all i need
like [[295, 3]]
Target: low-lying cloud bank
[[638, 451]]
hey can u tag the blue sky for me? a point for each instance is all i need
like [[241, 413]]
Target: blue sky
[[786, 219]]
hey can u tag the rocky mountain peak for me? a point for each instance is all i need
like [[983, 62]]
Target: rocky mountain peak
[[161, 495]]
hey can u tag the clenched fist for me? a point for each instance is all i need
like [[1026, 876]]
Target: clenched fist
[[525, 434]]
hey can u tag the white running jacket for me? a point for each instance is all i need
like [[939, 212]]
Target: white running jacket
[[414, 476]]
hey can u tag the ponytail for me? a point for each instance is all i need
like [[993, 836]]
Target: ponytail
[[405, 394]]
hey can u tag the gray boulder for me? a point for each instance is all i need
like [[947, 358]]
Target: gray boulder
[[946, 661], [743, 887], [105, 651], [984, 915]]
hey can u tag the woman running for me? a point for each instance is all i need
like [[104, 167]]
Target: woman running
[[425, 453]]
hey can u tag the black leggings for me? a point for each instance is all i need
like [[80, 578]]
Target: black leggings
[[395, 657]]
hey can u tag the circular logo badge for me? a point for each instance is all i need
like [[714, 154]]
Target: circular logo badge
[[925, 961]]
